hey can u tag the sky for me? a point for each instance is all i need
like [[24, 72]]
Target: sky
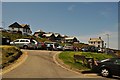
[[81, 19]]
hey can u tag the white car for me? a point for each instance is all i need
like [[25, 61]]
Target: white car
[[68, 47], [25, 43]]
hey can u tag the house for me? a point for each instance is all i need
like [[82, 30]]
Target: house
[[2, 29], [39, 33], [98, 42], [58, 37], [71, 40], [24, 28], [49, 36]]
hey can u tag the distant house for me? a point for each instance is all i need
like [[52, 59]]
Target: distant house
[[58, 37], [39, 33], [71, 40], [98, 42], [24, 28], [50, 36], [2, 29]]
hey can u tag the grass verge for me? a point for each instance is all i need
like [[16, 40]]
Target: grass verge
[[8, 54], [67, 58]]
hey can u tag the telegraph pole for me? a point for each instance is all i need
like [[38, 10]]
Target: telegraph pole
[[107, 40], [107, 43]]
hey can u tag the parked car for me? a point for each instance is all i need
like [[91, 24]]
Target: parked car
[[25, 43], [59, 47], [37, 44], [90, 49], [108, 67], [68, 47], [51, 45], [101, 50], [85, 49], [43, 45]]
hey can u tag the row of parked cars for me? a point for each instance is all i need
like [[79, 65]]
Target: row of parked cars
[[34, 44]]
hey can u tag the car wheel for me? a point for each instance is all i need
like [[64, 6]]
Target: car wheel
[[105, 72], [25, 47]]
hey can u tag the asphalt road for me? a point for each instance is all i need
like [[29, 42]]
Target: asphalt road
[[40, 64]]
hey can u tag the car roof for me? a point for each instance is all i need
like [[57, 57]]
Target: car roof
[[22, 39], [113, 59]]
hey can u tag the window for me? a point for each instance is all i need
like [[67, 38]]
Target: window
[[32, 41], [98, 45], [16, 41], [26, 41], [12, 28], [23, 30], [98, 42], [22, 40], [18, 29]]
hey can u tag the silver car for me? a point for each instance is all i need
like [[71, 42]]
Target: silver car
[[25, 43]]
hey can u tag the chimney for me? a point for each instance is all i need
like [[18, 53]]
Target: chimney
[[99, 37]]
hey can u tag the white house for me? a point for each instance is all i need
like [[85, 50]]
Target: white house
[[24, 28], [98, 42]]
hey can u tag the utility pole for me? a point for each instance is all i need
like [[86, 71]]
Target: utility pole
[[108, 40], [107, 43]]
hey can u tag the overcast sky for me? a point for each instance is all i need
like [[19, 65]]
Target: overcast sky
[[80, 19]]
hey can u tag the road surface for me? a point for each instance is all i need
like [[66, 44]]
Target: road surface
[[40, 64]]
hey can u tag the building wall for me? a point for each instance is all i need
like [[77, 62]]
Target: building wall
[[13, 29], [95, 43], [24, 32]]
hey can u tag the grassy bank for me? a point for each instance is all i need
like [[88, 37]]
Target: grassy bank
[[19, 36], [8, 54], [67, 58]]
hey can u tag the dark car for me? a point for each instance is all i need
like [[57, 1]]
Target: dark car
[[90, 49], [108, 67], [5, 41]]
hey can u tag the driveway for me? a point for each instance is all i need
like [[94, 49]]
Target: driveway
[[40, 64]]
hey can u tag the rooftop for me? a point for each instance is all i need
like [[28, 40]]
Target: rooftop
[[96, 39]]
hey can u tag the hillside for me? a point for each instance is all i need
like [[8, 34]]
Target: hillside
[[14, 36]]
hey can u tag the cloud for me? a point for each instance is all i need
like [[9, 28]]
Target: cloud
[[71, 8], [106, 12], [113, 38]]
